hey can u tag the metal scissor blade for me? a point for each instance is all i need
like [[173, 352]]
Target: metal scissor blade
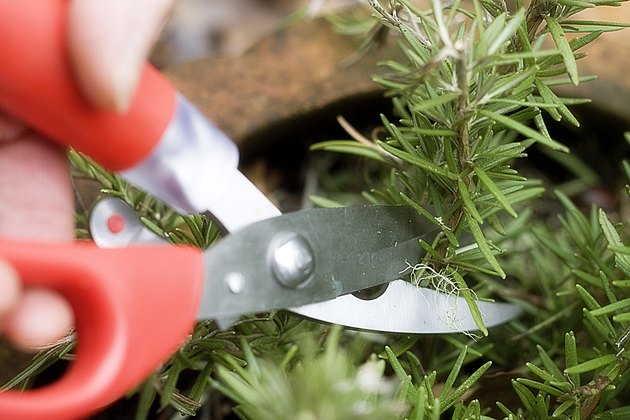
[[244, 282], [405, 308], [241, 204], [310, 256], [194, 170]]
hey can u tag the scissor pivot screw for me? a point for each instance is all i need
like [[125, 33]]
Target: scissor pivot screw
[[235, 282], [291, 260]]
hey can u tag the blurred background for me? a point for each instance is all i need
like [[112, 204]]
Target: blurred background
[[202, 28]]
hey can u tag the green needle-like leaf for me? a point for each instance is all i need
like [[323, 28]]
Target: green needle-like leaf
[[549, 364], [575, 44], [395, 364], [622, 261], [593, 364], [524, 130], [495, 191], [559, 37], [418, 161], [507, 32], [471, 301], [430, 104], [465, 386], [468, 202], [541, 373], [622, 318], [571, 356], [419, 410], [541, 387], [525, 395], [452, 376], [592, 25], [549, 96], [451, 237], [482, 242], [351, 147], [147, 395], [613, 307]]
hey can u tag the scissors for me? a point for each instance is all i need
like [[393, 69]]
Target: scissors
[[314, 262]]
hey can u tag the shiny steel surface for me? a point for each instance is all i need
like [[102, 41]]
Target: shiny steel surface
[[129, 231], [194, 170], [408, 309], [352, 248], [349, 249], [191, 164]]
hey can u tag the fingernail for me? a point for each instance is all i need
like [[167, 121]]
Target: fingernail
[[109, 41], [125, 76]]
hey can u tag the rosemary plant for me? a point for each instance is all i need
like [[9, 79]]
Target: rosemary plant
[[470, 85], [472, 92]]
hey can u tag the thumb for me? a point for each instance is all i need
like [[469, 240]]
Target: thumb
[[108, 41]]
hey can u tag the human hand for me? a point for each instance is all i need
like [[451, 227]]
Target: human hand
[[108, 41]]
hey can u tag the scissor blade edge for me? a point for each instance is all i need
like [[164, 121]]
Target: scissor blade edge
[[407, 309]]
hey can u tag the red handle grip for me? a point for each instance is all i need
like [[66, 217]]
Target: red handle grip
[[120, 298], [36, 85]]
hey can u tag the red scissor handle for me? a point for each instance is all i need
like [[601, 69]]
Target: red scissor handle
[[37, 85], [120, 297], [133, 306]]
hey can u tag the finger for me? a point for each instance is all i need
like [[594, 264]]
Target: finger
[[10, 289], [10, 128], [36, 203], [108, 42], [41, 318]]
